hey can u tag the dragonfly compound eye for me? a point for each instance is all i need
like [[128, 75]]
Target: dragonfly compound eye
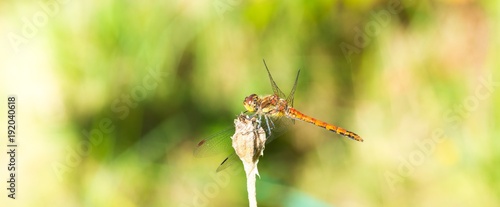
[[250, 102]]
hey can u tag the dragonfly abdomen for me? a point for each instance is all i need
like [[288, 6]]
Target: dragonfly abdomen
[[293, 113]]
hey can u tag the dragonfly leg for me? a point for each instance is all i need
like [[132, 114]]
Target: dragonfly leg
[[268, 126], [259, 121], [272, 123]]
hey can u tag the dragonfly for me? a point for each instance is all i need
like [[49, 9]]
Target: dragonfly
[[278, 115]]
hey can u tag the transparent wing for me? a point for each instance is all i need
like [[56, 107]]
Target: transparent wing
[[276, 89], [229, 161], [289, 99], [281, 125], [216, 144]]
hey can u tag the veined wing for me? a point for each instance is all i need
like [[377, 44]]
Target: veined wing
[[276, 89], [216, 144], [230, 160]]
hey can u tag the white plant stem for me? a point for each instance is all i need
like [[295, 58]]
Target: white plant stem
[[248, 142]]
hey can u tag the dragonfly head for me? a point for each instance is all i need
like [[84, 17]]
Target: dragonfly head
[[250, 103]]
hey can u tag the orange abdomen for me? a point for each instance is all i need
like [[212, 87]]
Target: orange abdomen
[[293, 113]]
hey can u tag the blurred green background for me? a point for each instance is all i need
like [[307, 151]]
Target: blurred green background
[[113, 97]]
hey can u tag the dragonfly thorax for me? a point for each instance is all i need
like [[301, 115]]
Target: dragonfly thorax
[[267, 105]]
